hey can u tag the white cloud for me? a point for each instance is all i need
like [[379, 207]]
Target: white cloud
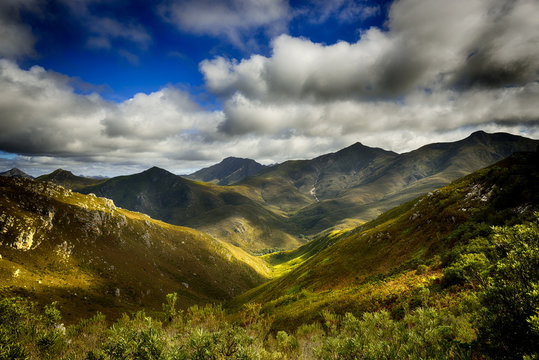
[[42, 116]]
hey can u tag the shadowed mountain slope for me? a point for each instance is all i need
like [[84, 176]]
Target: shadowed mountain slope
[[374, 266], [227, 172], [68, 179], [89, 255], [225, 212]]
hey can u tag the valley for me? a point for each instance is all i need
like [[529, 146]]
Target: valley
[[285, 252]]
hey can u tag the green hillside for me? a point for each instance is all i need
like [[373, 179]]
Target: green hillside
[[384, 263], [89, 255]]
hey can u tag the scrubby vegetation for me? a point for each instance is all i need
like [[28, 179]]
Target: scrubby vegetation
[[495, 316]]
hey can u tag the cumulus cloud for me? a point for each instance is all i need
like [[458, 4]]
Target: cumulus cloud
[[42, 116], [231, 19], [440, 66], [49, 126]]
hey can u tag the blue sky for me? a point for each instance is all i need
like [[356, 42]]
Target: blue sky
[[113, 87], [144, 49]]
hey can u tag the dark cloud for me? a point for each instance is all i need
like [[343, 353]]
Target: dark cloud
[[16, 38], [482, 70], [505, 52]]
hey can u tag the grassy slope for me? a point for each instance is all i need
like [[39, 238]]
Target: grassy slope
[[374, 266], [89, 255]]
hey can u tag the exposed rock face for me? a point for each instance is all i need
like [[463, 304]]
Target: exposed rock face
[[25, 240], [28, 227]]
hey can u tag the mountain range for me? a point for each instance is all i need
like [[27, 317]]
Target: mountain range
[[282, 206]]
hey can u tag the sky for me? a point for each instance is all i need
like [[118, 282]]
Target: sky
[[110, 87]]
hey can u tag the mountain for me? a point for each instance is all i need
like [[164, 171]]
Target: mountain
[[296, 184], [282, 205], [229, 171], [89, 255], [68, 179], [356, 184], [228, 213], [385, 263], [16, 173]]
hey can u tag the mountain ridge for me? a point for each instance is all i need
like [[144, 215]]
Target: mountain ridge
[[283, 205]]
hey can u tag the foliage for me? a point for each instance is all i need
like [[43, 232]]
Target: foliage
[[426, 333], [205, 333], [504, 270]]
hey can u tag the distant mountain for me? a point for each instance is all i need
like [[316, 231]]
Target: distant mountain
[[88, 255], [229, 171], [358, 183], [384, 263], [229, 213], [16, 173], [295, 184], [68, 179]]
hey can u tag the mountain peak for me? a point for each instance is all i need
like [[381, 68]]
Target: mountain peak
[[61, 171], [235, 159], [157, 171], [16, 173], [230, 170], [479, 135], [359, 147]]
